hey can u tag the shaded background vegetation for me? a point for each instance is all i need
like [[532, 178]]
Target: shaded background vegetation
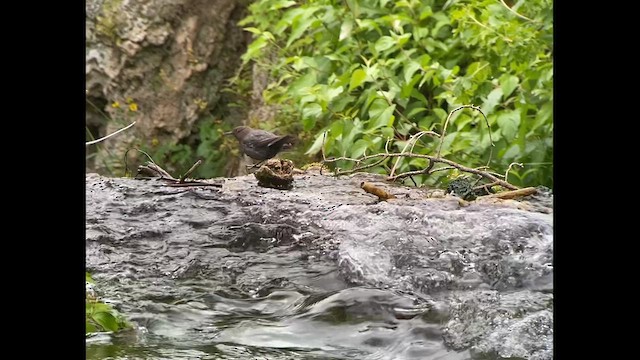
[[368, 70]]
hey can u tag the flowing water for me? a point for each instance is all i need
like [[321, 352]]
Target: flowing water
[[323, 271]]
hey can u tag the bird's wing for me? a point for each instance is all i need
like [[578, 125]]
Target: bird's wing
[[283, 139]]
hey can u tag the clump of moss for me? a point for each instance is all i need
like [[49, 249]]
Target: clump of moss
[[106, 23]]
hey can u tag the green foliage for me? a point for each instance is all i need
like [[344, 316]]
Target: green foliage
[[367, 70], [100, 316]]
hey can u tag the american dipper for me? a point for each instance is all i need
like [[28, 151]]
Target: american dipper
[[260, 144]]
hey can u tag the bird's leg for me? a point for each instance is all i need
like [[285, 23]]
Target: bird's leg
[[249, 167]]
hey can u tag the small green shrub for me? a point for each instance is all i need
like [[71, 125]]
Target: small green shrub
[[101, 316]]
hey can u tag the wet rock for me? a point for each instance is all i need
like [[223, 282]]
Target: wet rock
[[416, 277]]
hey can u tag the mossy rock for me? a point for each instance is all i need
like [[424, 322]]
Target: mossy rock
[[276, 173]]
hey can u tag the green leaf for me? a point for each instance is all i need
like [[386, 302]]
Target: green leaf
[[357, 78], [479, 71], [508, 83], [253, 30], [254, 49], [378, 105], [410, 69], [354, 6], [301, 23], [415, 111], [88, 278], [384, 43], [339, 104], [330, 93], [300, 87], [387, 132], [313, 110], [418, 95], [509, 121], [448, 140], [281, 4], [385, 118], [317, 144], [403, 39], [426, 12], [513, 151], [441, 114], [543, 116], [345, 30], [308, 123], [359, 148], [100, 307], [106, 320], [90, 328], [492, 100]]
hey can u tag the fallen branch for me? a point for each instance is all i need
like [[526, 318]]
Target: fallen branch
[[153, 170], [511, 194]]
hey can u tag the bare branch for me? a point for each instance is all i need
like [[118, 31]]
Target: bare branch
[[110, 135], [154, 171]]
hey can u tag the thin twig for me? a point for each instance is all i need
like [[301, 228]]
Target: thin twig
[[446, 123], [513, 11], [192, 169], [506, 174], [413, 140], [484, 186], [126, 165], [443, 168], [110, 135]]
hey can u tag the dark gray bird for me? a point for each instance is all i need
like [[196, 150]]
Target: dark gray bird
[[260, 144]]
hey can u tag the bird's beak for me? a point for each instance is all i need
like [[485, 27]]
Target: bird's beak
[[228, 133]]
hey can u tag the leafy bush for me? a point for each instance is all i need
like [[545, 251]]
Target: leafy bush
[[369, 70]]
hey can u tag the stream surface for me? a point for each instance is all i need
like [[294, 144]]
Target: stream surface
[[323, 271]]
